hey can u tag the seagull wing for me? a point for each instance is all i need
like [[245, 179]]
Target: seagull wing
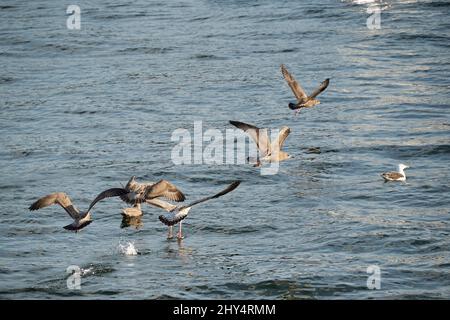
[[320, 89], [136, 191], [392, 175], [60, 198], [176, 216], [161, 204], [298, 91], [113, 192], [258, 135], [228, 189], [282, 135], [165, 189]]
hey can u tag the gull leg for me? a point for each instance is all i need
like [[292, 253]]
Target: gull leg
[[179, 234], [170, 235]]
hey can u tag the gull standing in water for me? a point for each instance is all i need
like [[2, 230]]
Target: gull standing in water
[[80, 219], [178, 213], [137, 193], [271, 152], [303, 100], [396, 176]]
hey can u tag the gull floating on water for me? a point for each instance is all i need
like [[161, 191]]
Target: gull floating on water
[[303, 100], [396, 176], [80, 219], [271, 152], [178, 213], [137, 193]]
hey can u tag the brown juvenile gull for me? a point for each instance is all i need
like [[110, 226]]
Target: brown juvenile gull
[[396, 176], [270, 152], [178, 213], [81, 219], [303, 100], [138, 193]]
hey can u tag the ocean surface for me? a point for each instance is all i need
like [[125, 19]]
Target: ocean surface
[[83, 110]]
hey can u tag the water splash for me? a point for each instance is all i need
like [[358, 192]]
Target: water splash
[[128, 248], [87, 271]]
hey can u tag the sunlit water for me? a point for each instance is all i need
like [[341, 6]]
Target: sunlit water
[[81, 111]]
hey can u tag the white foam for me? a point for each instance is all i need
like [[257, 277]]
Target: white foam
[[128, 249], [87, 271]]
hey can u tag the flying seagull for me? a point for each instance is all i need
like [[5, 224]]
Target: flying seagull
[[178, 213], [137, 193], [271, 152], [80, 219], [396, 176], [303, 100]]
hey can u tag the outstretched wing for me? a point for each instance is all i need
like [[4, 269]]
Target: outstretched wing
[[319, 89], [165, 189], [277, 144], [176, 216], [258, 135], [230, 188], [113, 192], [161, 204], [56, 198], [298, 91]]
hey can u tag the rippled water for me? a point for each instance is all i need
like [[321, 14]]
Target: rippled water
[[83, 110]]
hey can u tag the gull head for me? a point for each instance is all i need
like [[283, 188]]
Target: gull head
[[402, 166], [131, 182]]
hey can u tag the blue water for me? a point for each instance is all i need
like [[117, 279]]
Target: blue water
[[83, 110]]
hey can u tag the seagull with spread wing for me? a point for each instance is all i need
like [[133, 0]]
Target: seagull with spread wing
[[176, 214], [303, 100], [140, 192], [80, 219], [270, 152]]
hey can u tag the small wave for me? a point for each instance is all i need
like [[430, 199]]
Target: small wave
[[79, 112], [123, 16], [207, 57], [145, 50], [6, 79]]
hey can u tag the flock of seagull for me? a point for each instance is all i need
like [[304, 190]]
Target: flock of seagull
[[135, 193]]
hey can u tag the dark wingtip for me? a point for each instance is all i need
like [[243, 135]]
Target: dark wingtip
[[230, 188], [34, 206], [292, 106], [235, 184], [180, 197]]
